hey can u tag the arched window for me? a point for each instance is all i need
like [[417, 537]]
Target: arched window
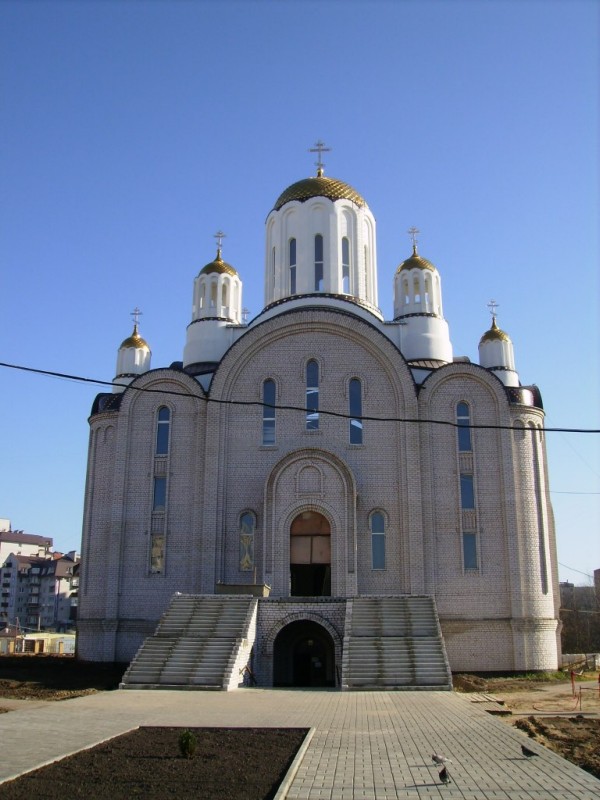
[[345, 265], [268, 433], [377, 527], [416, 290], [224, 295], [273, 268], [247, 528], [163, 424], [463, 420], [318, 263], [292, 266], [427, 293], [355, 405], [312, 396], [213, 295]]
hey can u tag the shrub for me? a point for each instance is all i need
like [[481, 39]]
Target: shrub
[[187, 744]]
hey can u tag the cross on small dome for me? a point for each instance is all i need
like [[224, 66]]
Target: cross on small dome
[[320, 149]]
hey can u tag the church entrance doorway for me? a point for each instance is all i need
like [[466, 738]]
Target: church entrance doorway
[[303, 656], [310, 555]]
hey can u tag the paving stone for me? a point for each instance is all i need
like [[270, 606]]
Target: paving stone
[[367, 745]]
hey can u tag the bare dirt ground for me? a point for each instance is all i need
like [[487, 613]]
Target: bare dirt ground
[[228, 764], [549, 712], [545, 709], [54, 677]]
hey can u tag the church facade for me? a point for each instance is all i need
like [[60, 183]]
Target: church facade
[[320, 453]]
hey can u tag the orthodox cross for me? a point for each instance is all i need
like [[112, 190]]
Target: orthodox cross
[[493, 306], [136, 314], [320, 149], [219, 236], [412, 232]]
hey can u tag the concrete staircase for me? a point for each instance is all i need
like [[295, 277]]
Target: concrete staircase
[[394, 643], [195, 644]]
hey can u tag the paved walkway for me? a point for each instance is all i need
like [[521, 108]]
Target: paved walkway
[[367, 745]]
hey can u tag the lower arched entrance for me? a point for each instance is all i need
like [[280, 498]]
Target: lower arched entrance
[[304, 655]]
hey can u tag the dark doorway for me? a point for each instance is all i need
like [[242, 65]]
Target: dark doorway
[[304, 656], [310, 580], [310, 555]]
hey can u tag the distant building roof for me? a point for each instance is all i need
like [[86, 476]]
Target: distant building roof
[[18, 537], [23, 561]]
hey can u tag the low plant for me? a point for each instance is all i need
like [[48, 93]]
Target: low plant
[[187, 744]]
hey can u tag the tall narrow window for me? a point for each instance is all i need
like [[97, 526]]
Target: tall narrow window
[[470, 551], [377, 526], [539, 491], [318, 263], [355, 403], [159, 500], [163, 425], [467, 492], [463, 420], [312, 396], [273, 269], [292, 265], [268, 434], [345, 265], [247, 526], [367, 274]]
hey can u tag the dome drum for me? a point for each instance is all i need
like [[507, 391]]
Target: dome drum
[[424, 337], [217, 295], [316, 246], [133, 359], [496, 353]]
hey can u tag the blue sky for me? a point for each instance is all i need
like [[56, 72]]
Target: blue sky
[[132, 131]]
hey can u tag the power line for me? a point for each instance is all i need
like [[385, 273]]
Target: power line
[[302, 409], [555, 491], [587, 575]]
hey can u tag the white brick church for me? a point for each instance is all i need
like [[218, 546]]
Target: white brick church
[[322, 470]]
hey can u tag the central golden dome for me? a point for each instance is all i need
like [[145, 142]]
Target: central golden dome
[[319, 187]]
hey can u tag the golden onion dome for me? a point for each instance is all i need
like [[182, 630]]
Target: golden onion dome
[[415, 262], [319, 187], [219, 266], [494, 334], [135, 340]]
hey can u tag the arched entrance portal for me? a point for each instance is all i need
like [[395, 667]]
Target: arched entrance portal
[[310, 555], [303, 655]]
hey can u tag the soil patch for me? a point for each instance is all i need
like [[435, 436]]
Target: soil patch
[[43, 677], [575, 738], [228, 764]]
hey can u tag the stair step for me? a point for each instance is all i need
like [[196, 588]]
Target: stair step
[[394, 642], [193, 644]]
